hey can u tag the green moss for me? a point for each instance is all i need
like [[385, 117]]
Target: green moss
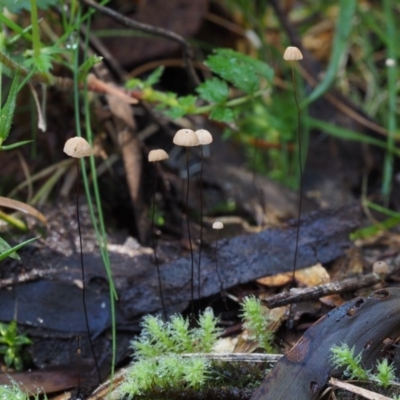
[[256, 322]]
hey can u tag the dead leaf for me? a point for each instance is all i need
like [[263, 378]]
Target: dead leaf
[[23, 207]]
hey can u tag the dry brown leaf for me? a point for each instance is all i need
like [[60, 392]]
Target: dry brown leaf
[[307, 277], [23, 207]]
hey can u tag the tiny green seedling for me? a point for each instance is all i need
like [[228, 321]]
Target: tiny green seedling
[[11, 344]]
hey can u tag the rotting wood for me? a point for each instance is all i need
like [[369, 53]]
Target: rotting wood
[[324, 237], [242, 259], [362, 322]]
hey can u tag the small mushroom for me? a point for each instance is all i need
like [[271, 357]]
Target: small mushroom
[[204, 136], [77, 147], [157, 155], [218, 225], [292, 54], [186, 138], [380, 268]]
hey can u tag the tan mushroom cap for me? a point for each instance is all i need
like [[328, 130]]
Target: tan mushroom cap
[[186, 138], [292, 54], [157, 155], [204, 136], [218, 225], [380, 268], [77, 147]]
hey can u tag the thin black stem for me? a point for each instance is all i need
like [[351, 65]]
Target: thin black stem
[[290, 322], [201, 223], [216, 265], [155, 247], [78, 361], [188, 230], [83, 274]]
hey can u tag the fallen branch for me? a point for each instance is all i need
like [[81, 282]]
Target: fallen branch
[[316, 292]]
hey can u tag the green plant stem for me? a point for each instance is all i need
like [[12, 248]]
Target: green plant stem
[[35, 31], [37, 76], [99, 226], [231, 103]]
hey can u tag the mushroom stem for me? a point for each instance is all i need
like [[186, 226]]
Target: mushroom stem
[[155, 156], [83, 272], [218, 225], [201, 223], [155, 245], [205, 138], [188, 231], [293, 54]]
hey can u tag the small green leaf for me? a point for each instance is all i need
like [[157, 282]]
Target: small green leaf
[[134, 83], [154, 77], [223, 114], [213, 90], [87, 65], [174, 112], [242, 71], [4, 246], [187, 102], [7, 112]]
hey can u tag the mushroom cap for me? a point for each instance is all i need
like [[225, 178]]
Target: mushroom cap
[[157, 155], [218, 225], [292, 54], [77, 147], [204, 136], [186, 138], [380, 268]]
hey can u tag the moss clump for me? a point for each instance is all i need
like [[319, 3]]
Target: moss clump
[[158, 361]]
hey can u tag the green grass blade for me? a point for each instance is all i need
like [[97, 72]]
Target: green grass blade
[[340, 42], [98, 222], [12, 250], [347, 134], [391, 75]]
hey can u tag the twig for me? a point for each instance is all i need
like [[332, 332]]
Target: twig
[[152, 30], [367, 394], [238, 357], [346, 285]]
